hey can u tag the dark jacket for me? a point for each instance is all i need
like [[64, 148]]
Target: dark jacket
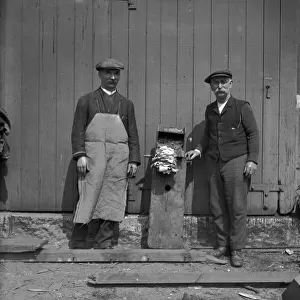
[[85, 111], [232, 133], [4, 131]]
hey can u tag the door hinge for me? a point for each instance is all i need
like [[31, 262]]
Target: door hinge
[[131, 4], [266, 189]]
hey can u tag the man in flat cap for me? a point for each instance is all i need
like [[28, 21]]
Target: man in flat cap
[[105, 144], [231, 139]]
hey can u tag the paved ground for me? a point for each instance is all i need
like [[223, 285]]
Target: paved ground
[[68, 281]]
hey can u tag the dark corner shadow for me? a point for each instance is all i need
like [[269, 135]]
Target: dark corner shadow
[[3, 188], [70, 196], [197, 176], [145, 184], [197, 173]]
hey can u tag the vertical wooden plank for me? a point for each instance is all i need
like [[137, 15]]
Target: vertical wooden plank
[[3, 20], [84, 68], [65, 102], [101, 35], [254, 84], [166, 215], [197, 194], [255, 68], [219, 51], [298, 87], [136, 92], [119, 40], [30, 108], [270, 102], [153, 86], [3, 166], [185, 79], [11, 60], [185, 68], [169, 49], [237, 48], [47, 106], [288, 116]]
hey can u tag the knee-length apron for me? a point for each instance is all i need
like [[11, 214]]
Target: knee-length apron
[[102, 192]]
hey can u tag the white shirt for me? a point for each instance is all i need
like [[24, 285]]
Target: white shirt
[[221, 106], [109, 93]]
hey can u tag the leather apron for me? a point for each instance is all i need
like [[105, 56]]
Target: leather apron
[[102, 192]]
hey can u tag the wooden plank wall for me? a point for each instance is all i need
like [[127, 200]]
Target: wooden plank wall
[[288, 114], [50, 48], [194, 37], [298, 92], [48, 52]]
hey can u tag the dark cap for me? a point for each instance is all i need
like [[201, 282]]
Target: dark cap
[[110, 63], [218, 73]]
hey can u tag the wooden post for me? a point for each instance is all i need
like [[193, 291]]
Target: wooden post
[[167, 195]]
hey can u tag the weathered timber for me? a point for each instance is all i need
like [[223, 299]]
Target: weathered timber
[[136, 88], [114, 255], [167, 198], [288, 113], [190, 278], [21, 244]]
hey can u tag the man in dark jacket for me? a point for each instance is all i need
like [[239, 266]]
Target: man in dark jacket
[[105, 144], [231, 139]]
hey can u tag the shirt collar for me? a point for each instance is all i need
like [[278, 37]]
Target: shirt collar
[[107, 91], [222, 104]]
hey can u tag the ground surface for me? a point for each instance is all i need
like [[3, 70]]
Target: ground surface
[[68, 281]]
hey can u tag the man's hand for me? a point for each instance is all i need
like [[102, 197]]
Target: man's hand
[[82, 166], [190, 155], [131, 169], [250, 168]]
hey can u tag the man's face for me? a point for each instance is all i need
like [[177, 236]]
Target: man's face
[[221, 86], [109, 78]]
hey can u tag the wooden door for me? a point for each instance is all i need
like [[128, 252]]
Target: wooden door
[[184, 41], [49, 49]]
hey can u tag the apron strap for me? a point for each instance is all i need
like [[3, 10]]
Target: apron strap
[[98, 105], [119, 107]]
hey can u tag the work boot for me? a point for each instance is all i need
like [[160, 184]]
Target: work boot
[[219, 252], [78, 236], [104, 235], [93, 229], [236, 258]]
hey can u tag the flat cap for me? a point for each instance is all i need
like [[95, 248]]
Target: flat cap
[[110, 63], [218, 73]]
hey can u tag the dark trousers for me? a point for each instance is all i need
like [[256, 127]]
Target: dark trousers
[[228, 201], [97, 234]]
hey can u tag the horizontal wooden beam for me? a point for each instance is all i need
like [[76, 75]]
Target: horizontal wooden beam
[[21, 244], [191, 278], [114, 255]]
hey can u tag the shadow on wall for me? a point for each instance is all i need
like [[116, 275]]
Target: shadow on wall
[[146, 183], [3, 188], [197, 176]]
